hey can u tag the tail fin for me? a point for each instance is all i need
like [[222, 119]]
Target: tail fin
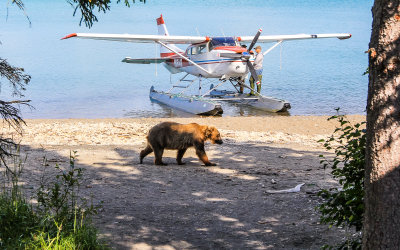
[[162, 30]]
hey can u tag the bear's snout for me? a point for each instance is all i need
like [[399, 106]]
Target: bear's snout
[[218, 141]]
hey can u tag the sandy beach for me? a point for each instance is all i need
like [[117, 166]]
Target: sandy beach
[[229, 206]]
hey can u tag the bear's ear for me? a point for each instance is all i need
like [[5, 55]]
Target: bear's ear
[[208, 132]]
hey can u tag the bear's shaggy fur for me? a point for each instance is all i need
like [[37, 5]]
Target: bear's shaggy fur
[[172, 135]]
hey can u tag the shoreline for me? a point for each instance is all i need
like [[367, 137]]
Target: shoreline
[[307, 119], [132, 131]]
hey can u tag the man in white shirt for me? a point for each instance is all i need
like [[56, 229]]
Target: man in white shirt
[[258, 61]]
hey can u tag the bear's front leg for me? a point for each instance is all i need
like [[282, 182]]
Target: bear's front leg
[[201, 153], [179, 157]]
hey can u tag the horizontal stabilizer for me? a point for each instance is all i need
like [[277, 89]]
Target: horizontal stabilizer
[[145, 60]]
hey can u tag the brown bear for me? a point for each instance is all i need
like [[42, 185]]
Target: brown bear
[[172, 135]]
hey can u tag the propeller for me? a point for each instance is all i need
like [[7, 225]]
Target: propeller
[[253, 72], [254, 40], [249, 64], [245, 56]]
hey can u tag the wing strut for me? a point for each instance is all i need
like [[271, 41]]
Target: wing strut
[[272, 47], [184, 57]]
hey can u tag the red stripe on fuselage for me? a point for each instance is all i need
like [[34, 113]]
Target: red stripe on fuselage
[[236, 49], [187, 64], [172, 54], [219, 62], [169, 54]]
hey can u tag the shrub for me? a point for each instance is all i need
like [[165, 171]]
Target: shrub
[[60, 220], [344, 207], [17, 221]]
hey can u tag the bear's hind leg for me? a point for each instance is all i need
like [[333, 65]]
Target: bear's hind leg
[[158, 152], [145, 152], [179, 157]]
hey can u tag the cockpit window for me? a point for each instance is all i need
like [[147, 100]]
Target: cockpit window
[[222, 41], [202, 48]]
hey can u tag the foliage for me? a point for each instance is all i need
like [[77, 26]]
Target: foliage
[[344, 207], [21, 6], [17, 218], [17, 221], [9, 110], [16, 77], [87, 7], [60, 220], [59, 198]]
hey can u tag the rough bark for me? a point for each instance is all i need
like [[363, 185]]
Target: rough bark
[[382, 183]]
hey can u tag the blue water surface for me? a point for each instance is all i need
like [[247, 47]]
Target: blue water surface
[[79, 78]]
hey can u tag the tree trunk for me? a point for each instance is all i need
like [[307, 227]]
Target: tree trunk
[[382, 183]]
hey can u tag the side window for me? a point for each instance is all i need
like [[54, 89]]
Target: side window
[[197, 49]]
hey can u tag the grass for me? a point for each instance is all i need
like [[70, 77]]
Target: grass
[[60, 220]]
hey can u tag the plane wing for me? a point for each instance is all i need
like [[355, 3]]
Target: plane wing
[[145, 60], [277, 38], [141, 38]]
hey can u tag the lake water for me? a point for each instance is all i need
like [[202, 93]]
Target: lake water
[[86, 79]]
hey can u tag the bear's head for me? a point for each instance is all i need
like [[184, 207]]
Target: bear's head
[[213, 134]]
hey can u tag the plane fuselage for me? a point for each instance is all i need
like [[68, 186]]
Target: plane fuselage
[[208, 56]]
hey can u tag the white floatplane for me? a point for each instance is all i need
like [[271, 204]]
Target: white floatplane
[[221, 58]]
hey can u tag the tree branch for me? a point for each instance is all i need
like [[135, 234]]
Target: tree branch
[[87, 9], [15, 76]]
